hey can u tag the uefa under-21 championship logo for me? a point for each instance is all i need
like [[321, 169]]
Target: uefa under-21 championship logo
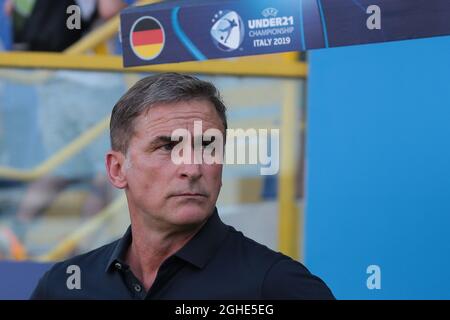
[[228, 30]]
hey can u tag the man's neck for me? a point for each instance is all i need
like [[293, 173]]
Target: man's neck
[[150, 248]]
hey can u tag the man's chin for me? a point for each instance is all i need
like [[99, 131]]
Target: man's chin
[[190, 213]]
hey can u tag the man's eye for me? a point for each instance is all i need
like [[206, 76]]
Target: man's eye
[[169, 146], [207, 143]]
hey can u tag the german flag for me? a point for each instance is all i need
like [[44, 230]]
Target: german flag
[[147, 38]]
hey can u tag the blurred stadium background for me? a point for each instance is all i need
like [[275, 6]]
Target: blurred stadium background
[[364, 158]]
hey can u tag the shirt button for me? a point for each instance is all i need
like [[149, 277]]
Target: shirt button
[[137, 287], [118, 265]]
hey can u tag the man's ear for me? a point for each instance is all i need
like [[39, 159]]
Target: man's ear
[[115, 167]]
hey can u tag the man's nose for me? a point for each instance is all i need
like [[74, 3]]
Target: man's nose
[[191, 171]]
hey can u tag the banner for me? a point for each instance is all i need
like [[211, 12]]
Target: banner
[[176, 31]]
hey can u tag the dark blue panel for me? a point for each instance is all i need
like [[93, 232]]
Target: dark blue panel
[[18, 279], [193, 29]]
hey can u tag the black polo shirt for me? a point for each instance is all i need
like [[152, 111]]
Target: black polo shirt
[[217, 263]]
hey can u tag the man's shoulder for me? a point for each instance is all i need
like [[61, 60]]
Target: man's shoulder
[[95, 258], [283, 277], [254, 252], [52, 285]]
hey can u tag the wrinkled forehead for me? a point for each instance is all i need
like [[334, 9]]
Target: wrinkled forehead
[[196, 116]]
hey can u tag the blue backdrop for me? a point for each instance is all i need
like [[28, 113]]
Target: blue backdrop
[[378, 159]]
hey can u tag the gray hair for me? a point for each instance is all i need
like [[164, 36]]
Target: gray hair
[[160, 88]]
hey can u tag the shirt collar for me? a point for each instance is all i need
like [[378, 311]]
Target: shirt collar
[[120, 249], [202, 247], [197, 251]]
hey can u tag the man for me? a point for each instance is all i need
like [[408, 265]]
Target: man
[[177, 247]]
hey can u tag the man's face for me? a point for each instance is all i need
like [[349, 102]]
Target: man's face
[[166, 193]]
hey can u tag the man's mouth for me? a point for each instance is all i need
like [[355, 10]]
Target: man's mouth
[[190, 194]]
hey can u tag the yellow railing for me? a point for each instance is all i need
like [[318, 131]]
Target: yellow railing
[[70, 243], [288, 212], [265, 66], [58, 158]]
